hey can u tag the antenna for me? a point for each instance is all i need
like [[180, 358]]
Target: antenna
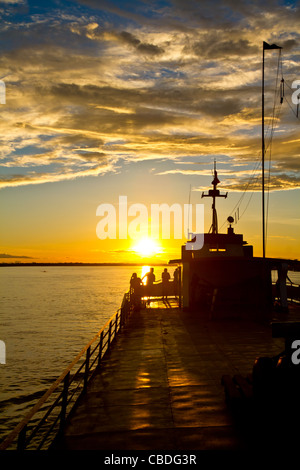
[[214, 193]]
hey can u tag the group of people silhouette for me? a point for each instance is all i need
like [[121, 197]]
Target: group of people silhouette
[[139, 289]]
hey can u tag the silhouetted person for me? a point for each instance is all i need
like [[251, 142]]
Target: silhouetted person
[[176, 281], [165, 283], [135, 290], [150, 280]]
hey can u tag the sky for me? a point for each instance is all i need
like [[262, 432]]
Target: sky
[[139, 99]]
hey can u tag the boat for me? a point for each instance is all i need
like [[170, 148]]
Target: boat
[[224, 279]]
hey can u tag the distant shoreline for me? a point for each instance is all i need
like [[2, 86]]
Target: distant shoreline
[[81, 264]]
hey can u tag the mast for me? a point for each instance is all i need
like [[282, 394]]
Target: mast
[[265, 46], [214, 193], [263, 151]]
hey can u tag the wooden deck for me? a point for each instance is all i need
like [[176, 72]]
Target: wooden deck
[[160, 385]]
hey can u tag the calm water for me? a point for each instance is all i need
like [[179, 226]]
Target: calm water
[[47, 315]]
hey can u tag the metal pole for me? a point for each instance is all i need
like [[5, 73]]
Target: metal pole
[[100, 349], [263, 152], [22, 439], [179, 285], [87, 367], [64, 401], [109, 335], [116, 324]]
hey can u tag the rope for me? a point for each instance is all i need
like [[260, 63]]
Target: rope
[[275, 118], [278, 92], [251, 179]]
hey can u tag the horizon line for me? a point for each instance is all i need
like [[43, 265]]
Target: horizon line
[[78, 263]]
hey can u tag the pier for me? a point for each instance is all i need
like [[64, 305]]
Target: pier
[[159, 387]]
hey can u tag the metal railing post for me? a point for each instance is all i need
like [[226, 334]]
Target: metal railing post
[[179, 286], [123, 309], [109, 335], [116, 324], [122, 316], [100, 349], [22, 439], [87, 366], [64, 401]]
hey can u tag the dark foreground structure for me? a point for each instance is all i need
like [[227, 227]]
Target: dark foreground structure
[[166, 378], [163, 386]]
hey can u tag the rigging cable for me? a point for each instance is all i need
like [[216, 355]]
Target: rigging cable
[[275, 118], [250, 182], [270, 131], [278, 91], [296, 114]]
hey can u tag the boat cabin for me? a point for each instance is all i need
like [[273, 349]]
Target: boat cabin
[[223, 277]]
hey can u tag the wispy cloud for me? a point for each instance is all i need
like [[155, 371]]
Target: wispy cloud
[[127, 83], [7, 256]]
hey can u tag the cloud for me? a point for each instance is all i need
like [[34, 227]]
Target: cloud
[[13, 1], [130, 83], [34, 177], [214, 45], [5, 255], [144, 48]]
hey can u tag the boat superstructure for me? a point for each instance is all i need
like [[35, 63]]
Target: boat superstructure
[[224, 278]]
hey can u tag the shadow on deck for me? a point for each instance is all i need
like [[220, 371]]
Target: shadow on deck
[[160, 386]]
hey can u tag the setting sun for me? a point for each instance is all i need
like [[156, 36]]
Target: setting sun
[[147, 247]]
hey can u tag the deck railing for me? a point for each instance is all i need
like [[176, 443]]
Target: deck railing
[[293, 292], [46, 421]]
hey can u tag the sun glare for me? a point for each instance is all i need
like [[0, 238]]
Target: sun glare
[[147, 247]]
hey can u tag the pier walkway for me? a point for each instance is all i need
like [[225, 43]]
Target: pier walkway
[[159, 387]]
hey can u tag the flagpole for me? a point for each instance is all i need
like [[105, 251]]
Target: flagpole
[[263, 151], [265, 46]]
